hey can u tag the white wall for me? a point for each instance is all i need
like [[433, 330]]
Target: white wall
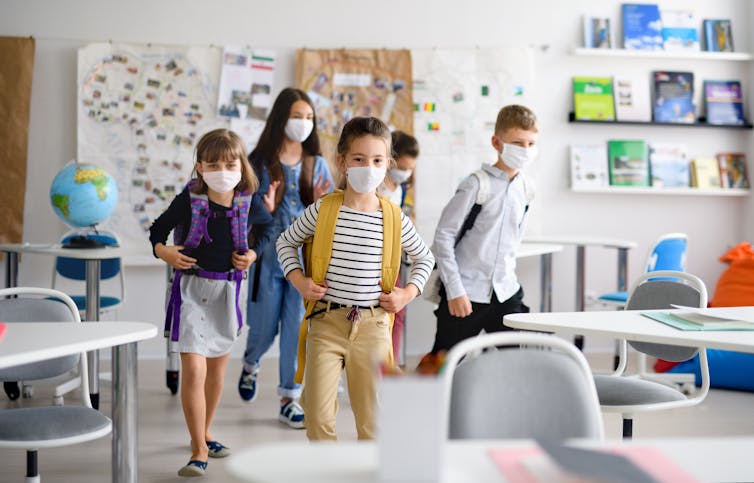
[[285, 25]]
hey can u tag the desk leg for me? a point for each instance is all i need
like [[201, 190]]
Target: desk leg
[[125, 463], [622, 285], [545, 282], [11, 269], [92, 315], [580, 288]]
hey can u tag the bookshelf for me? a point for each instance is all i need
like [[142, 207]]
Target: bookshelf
[[661, 54], [572, 119], [731, 192]]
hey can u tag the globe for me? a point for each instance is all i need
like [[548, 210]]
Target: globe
[[83, 194]]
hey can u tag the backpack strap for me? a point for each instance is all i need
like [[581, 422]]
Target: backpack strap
[[483, 194], [306, 180], [197, 230], [239, 223]]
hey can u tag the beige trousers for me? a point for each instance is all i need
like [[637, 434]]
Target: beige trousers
[[335, 343]]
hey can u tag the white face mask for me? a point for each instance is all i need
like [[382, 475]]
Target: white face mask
[[399, 175], [365, 179], [518, 157], [221, 181], [298, 129]]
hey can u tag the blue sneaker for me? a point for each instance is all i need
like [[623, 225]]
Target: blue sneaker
[[217, 450], [292, 414], [193, 468], [247, 385]]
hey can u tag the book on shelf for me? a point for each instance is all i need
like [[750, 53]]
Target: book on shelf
[[705, 173], [723, 102], [632, 101], [597, 33], [588, 166], [679, 30], [673, 97], [733, 172], [628, 163], [718, 35], [669, 165], [593, 99], [642, 26]]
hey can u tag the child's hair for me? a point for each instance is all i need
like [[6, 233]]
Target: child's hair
[[404, 145], [515, 116], [364, 126], [267, 151], [224, 145]]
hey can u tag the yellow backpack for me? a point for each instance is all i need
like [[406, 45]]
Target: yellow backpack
[[318, 250]]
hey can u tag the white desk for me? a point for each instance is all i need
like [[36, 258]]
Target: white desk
[[35, 341], [709, 459], [93, 258], [545, 251], [631, 325]]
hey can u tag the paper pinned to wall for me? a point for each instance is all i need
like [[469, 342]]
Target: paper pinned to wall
[[246, 82]]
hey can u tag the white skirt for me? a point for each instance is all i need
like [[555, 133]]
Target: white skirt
[[209, 322]]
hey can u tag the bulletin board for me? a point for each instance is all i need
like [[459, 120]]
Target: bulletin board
[[15, 101]]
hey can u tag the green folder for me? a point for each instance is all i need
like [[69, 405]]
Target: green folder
[[682, 324]]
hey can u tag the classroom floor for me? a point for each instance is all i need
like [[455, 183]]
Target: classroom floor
[[164, 439]]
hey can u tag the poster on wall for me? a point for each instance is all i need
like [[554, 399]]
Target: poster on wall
[[246, 79], [141, 110], [457, 94], [15, 105], [346, 83]]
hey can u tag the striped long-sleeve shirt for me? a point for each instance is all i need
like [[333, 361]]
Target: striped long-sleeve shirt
[[356, 264]]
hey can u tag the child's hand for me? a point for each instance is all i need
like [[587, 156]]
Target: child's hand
[[172, 256], [460, 306], [269, 197], [321, 187], [242, 261], [394, 301], [306, 286]]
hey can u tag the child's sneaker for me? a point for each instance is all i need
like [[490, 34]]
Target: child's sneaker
[[217, 450], [292, 414], [247, 385], [193, 468]]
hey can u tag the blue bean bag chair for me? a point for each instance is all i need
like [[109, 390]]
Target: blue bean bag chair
[[728, 370]]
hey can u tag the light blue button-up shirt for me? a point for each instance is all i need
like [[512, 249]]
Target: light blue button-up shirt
[[485, 259]]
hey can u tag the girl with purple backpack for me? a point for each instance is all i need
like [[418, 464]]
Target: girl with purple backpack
[[213, 219]]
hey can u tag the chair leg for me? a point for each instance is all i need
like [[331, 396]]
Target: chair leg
[[32, 468], [628, 428]]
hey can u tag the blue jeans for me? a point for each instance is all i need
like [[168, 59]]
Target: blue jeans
[[278, 308]]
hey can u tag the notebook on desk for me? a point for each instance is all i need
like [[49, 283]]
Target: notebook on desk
[[698, 321]]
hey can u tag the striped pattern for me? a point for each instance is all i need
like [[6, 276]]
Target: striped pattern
[[356, 264]]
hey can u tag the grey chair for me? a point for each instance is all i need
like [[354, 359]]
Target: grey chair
[[33, 428], [542, 390], [627, 395]]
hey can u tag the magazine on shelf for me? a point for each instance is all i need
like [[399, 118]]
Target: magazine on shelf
[[642, 26], [705, 173], [632, 102], [679, 30], [628, 163], [669, 165], [733, 172], [718, 35], [597, 33], [593, 99], [588, 166], [673, 97], [723, 102]]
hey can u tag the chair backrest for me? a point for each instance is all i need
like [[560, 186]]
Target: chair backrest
[[520, 392], [658, 290], [668, 253], [25, 305], [75, 268]]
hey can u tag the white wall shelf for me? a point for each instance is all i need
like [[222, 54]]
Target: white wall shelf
[[664, 191], [662, 54]]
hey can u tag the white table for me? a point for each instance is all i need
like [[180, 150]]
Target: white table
[[35, 341], [631, 325], [93, 258], [708, 459], [544, 251]]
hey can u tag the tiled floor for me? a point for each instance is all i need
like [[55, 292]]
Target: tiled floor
[[164, 440]]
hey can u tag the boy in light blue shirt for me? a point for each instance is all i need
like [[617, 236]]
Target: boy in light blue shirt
[[477, 264]]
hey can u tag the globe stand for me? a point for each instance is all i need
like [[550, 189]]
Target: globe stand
[[83, 241]]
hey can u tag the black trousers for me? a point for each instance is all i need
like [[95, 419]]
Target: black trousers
[[452, 330]]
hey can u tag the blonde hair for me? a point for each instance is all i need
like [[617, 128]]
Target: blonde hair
[[224, 145], [515, 116]]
